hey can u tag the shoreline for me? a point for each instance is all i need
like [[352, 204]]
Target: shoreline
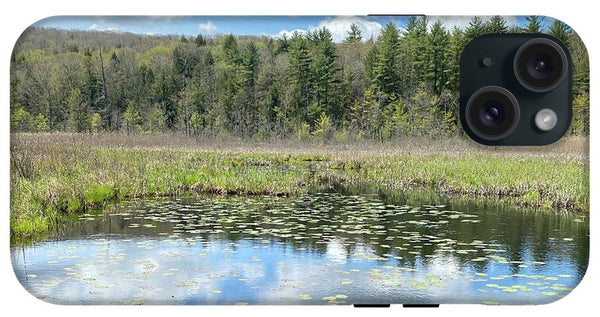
[[56, 176]]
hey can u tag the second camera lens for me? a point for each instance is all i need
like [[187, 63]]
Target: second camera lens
[[540, 65]]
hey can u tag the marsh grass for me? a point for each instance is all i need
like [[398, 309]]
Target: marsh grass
[[57, 175]]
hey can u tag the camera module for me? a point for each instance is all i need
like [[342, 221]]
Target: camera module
[[515, 89]]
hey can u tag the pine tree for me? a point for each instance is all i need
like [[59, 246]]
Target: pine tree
[[131, 116], [298, 75], [534, 24], [476, 28], [199, 40], [370, 61], [248, 71], [259, 87], [385, 70], [561, 31], [455, 47], [497, 24], [413, 56], [230, 50], [78, 112], [354, 35], [250, 60], [282, 45], [437, 45], [324, 72]]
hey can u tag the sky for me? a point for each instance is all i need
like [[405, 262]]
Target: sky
[[275, 26]]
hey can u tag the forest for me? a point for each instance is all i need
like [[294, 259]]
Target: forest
[[403, 84]]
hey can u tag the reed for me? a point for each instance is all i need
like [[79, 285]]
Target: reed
[[57, 175]]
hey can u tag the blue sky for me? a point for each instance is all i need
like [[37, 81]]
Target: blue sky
[[245, 25]]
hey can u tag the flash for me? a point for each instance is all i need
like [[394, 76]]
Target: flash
[[486, 61], [546, 119]]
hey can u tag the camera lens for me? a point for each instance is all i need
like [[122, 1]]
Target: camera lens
[[492, 113], [540, 65]]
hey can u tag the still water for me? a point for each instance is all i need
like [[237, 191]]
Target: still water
[[324, 248]]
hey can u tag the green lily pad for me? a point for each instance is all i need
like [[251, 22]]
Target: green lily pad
[[550, 293], [561, 288], [477, 280]]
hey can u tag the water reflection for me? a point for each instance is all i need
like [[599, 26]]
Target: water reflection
[[324, 248]]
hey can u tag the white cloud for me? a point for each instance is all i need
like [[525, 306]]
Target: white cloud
[[289, 34], [339, 27], [208, 28], [96, 27], [462, 22]]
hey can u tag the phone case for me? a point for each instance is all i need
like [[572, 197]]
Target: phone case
[[282, 160]]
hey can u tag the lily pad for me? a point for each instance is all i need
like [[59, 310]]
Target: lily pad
[[550, 293]]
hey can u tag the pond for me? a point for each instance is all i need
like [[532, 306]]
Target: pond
[[324, 248]]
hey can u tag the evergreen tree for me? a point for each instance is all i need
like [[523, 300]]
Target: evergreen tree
[[199, 40], [497, 24], [282, 45], [475, 29], [133, 121], [455, 47], [299, 93], [385, 70], [78, 113], [247, 100], [230, 50], [370, 61], [304, 87], [560, 31], [534, 24], [413, 56], [354, 35], [437, 46], [324, 71]]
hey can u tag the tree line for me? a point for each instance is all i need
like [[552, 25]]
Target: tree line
[[402, 84]]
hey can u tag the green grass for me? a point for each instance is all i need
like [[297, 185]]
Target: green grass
[[546, 183], [54, 176]]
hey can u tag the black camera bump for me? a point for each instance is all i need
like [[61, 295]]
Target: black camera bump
[[509, 83]]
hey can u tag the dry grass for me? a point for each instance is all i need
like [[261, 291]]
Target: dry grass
[[575, 147]]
